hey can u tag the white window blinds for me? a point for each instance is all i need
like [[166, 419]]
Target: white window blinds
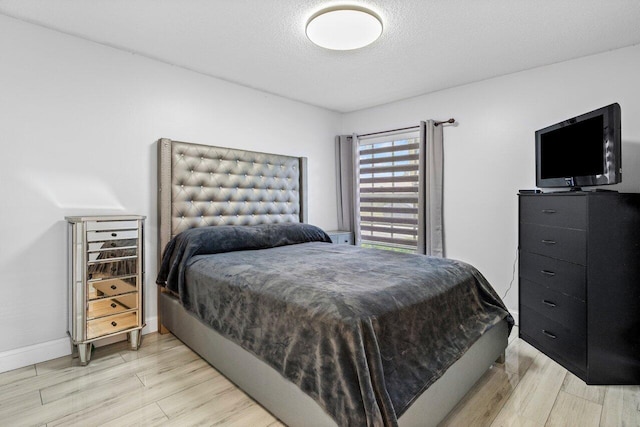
[[389, 192]]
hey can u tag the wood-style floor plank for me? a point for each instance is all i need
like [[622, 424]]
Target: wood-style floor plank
[[621, 407], [12, 406], [188, 400], [17, 375], [147, 416], [574, 411], [164, 383], [484, 401], [70, 371], [253, 415], [536, 393], [577, 387], [75, 386], [174, 380]]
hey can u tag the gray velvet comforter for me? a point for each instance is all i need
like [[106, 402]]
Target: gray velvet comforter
[[361, 331]]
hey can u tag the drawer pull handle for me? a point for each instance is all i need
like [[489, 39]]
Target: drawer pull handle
[[114, 234], [548, 273], [548, 242], [114, 287], [113, 305], [549, 303], [549, 211], [114, 324], [549, 334]]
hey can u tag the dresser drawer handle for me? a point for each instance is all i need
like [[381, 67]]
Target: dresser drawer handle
[[549, 211], [113, 305], [549, 242], [114, 324], [114, 287], [548, 273], [114, 234], [549, 334], [549, 303]]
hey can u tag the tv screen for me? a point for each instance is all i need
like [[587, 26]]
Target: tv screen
[[581, 151]]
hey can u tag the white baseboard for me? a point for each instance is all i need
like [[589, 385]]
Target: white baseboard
[[516, 316], [32, 354]]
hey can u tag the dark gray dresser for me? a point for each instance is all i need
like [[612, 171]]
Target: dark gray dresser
[[579, 287]]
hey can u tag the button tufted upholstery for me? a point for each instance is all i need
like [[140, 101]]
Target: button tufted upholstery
[[224, 186]]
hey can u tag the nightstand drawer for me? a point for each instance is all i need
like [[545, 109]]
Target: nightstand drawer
[[553, 337], [109, 306], [111, 324], [568, 211], [111, 245], [99, 236], [562, 243], [555, 274], [112, 287], [565, 310], [107, 255], [111, 225], [111, 269]]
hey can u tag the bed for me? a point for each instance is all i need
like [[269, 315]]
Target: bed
[[233, 226]]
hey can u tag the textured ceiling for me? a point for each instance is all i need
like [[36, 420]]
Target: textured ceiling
[[427, 45]]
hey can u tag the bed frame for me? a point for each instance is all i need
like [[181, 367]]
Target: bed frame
[[201, 185]]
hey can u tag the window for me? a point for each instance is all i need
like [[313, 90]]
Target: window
[[389, 190]]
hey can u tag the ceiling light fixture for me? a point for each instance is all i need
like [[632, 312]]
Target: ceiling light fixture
[[344, 28]]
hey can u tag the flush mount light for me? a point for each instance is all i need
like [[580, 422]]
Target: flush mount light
[[344, 28]]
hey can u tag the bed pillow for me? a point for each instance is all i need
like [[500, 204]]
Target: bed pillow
[[228, 238]]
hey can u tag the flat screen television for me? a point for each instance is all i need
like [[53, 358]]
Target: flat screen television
[[581, 151]]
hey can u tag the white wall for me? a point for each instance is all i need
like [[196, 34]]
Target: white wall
[[489, 154], [79, 121]]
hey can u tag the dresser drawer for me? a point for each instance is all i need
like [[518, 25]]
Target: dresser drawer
[[555, 274], [111, 324], [562, 243], [556, 211], [111, 225], [566, 310], [112, 287], [101, 236], [110, 269], [110, 306], [553, 337]]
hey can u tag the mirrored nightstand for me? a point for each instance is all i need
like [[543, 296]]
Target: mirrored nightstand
[[106, 275], [341, 237]]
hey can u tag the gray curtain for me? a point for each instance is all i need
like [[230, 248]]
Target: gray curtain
[[348, 182], [430, 227]]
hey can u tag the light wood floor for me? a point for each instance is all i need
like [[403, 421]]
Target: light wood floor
[[165, 383]]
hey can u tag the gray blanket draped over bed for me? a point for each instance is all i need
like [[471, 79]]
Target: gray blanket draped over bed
[[361, 331]]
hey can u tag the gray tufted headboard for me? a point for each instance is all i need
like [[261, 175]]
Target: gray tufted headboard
[[201, 185]]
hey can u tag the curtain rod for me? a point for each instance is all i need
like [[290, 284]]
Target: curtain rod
[[451, 120]]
